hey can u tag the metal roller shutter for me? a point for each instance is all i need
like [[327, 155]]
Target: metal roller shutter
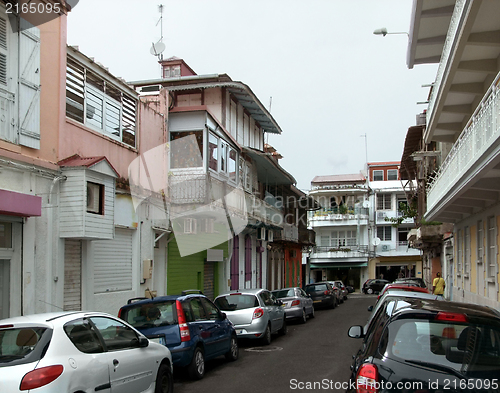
[[72, 275], [113, 262]]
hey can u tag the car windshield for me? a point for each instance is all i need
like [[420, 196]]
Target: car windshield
[[284, 293], [316, 288], [472, 350], [150, 314], [236, 302], [22, 345]]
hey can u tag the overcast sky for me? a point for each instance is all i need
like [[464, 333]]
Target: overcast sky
[[330, 78]]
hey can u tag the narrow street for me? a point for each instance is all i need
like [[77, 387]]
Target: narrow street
[[317, 352]]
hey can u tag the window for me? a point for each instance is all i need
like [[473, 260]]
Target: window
[[83, 336], [384, 202], [212, 311], [231, 165], [466, 251], [197, 310], [5, 234], [392, 174], [116, 335], [99, 104], [186, 149], [402, 236], [480, 242], [213, 152], [378, 175], [343, 238], [95, 198], [384, 232], [223, 157], [492, 247]]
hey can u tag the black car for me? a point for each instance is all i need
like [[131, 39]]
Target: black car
[[418, 345], [374, 286], [322, 294], [414, 280]]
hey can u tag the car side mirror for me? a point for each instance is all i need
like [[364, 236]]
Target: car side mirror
[[370, 308], [143, 342], [356, 331], [279, 302], [223, 315]]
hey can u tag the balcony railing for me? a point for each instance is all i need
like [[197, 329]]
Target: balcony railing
[[481, 132], [289, 233], [451, 38], [339, 214], [343, 251]]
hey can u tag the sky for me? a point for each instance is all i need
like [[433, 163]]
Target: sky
[[317, 66]]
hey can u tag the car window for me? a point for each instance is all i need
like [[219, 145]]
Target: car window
[[211, 310], [83, 336], [116, 335], [316, 288], [267, 298], [470, 349], [302, 292], [199, 313], [148, 314], [284, 293], [236, 302], [22, 345]]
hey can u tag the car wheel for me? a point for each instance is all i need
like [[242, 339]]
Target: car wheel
[[334, 303], [197, 367], [266, 338], [304, 316], [233, 352], [345, 297], [369, 291], [284, 329], [164, 381], [311, 315]]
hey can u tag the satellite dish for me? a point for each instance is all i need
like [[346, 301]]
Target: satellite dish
[[157, 49], [376, 241], [366, 204]]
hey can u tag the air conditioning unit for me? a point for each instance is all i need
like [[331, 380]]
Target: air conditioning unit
[[381, 215], [93, 198], [261, 234], [190, 226], [386, 247]]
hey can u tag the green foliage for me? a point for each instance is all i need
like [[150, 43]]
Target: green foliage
[[408, 210]]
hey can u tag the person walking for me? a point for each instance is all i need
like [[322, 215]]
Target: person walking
[[438, 285]]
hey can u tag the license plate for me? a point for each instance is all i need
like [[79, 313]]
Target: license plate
[[159, 340], [316, 301]]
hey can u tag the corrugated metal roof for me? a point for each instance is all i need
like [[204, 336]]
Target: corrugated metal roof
[[339, 178]]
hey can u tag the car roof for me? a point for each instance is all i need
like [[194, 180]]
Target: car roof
[[412, 294], [284, 289], [474, 312], [251, 291], [48, 319], [160, 299]]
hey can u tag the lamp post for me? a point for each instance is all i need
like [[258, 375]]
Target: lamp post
[[383, 32]]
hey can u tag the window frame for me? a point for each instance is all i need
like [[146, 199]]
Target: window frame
[[376, 173]]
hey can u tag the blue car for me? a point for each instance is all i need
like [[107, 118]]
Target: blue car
[[190, 325]]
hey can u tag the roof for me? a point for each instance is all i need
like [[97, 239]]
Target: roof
[[77, 161], [268, 169], [339, 178], [408, 170], [239, 90], [386, 163]]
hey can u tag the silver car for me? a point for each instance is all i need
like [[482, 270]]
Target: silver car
[[297, 303], [80, 352], [255, 313]]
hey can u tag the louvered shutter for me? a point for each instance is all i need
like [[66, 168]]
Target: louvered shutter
[[29, 85]]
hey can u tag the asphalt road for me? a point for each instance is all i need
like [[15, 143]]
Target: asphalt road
[[318, 352]]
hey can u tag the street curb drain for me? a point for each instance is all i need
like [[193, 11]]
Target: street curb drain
[[263, 349]]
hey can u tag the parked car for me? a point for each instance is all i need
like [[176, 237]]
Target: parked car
[[343, 290], [255, 313], [80, 352], [350, 288], [323, 294], [417, 280], [338, 293], [190, 325], [374, 286], [297, 303], [422, 345], [410, 287]]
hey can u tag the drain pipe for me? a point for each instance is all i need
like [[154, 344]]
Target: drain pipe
[[50, 246]]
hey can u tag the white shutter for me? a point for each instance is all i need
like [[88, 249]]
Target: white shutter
[[29, 85], [72, 275], [7, 92], [113, 262]]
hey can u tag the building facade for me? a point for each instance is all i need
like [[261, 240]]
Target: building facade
[[459, 152]]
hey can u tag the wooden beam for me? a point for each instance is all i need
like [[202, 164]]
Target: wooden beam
[[485, 38], [488, 66]]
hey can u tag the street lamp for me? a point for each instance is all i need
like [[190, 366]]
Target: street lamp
[[383, 31]]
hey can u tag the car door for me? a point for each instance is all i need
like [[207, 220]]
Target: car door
[[221, 327], [132, 369], [304, 297], [203, 327]]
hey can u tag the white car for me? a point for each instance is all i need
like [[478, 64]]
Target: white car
[[80, 352]]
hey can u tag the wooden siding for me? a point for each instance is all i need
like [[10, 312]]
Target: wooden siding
[[72, 275]]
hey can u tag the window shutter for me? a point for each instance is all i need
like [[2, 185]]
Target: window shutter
[[248, 258], [3, 50], [29, 85]]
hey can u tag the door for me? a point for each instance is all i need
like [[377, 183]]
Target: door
[[4, 288], [10, 269], [132, 369], [203, 327], [221, 328]]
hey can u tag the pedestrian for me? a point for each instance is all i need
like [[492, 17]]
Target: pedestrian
[[438, 285]]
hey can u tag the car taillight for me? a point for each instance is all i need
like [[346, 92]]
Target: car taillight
[[181, 320], [41, 377], [326, 293], [6, 326], [257, 313], [295, 303], [450, 316], [367, 379]]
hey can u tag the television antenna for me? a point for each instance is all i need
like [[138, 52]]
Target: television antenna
[[158, 47]]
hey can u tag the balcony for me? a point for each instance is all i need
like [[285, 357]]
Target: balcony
[[289, 233], [466, 167], [307, 237], [346, 252], [382, 215], [336, 216]]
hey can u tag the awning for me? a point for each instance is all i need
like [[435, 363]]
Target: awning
[[269, 171], [22, 205], [339, 265]]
